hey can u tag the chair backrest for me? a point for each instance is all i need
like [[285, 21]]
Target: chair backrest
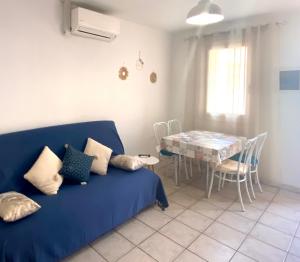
[[261, 139], [174, 126], [161, 129], [247, 153]]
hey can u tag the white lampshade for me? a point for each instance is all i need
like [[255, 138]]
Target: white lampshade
[[205, 13]]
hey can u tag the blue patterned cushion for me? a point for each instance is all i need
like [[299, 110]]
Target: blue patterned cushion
[[76, 165], [164, 152], [236, 157]]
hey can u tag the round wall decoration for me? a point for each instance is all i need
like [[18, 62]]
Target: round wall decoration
[[123, 73], [153, 77]]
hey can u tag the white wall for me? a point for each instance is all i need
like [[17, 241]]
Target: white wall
[[48, 78], [290, 104], [289, 100]]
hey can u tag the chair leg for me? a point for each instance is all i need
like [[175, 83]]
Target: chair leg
[[220, 180], [211, 182], [199, 166], [191, 168], [176, 166], [186, 169], [247, 191], [258, 182], [251, 185], [223, 180], [207, 176], [240, 195]]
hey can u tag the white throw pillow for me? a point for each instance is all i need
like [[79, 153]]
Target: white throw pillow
[[102, 156], [14, 206], [126, 162], [44, 172]]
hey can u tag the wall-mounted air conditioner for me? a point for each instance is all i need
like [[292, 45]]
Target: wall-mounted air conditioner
[[88, 23]]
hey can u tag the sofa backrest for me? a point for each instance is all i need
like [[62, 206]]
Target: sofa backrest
[[19, 150]]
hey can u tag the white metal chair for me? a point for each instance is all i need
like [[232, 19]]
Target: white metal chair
[[175, 128], [236, 171], [161, 129], [261, 138]]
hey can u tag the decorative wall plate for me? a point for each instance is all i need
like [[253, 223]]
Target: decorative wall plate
[[153, 77], [123, 73]]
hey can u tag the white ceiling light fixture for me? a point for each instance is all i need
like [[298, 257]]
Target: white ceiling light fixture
[[205, 13]]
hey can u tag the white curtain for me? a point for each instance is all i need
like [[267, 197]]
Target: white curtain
[[261, 93]]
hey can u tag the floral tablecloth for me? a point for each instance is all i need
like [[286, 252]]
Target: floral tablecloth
[[204, 145]]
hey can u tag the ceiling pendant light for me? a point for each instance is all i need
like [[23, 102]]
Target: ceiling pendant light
[[205, 13]]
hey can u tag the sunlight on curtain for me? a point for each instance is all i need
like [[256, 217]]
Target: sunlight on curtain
[[226, 85]]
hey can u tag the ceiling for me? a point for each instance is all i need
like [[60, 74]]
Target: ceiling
[[170, 14]]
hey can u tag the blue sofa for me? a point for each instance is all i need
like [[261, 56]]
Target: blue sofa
[[78, 214]]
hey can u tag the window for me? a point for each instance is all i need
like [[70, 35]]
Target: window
[[226, 82]]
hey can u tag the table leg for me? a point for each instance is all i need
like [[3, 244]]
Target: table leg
[[177, 160], [211, 182], [207, 177]]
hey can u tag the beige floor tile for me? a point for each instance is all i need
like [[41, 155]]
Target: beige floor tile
[[261, 251], [292, 258], [136, 255], [298, 232], [188, 256], [229, 190], [239, 223], [170, 190], [295, 248], [179, 233], [225, 235], [85, 254], [251, 212], [265, 195], [153, 218], [161, 248], [135, 231], [182, 199], [207, 209], [169, 183], [106, 246], [272, 236], [211, 250], [194, 220], [193, 192], [259, 202], [289, 194], [284, 211], [229, 193], [198, 183], [273, 189], [279, 223], [173, 209], [238, 257], [219, 200], [288, 202]]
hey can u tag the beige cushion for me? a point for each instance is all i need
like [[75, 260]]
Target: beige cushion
[[130, 163], [231, 166], [44, 173], [102, 155], [14, 206]]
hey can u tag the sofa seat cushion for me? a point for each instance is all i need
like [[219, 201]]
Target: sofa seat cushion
[[78, 215]]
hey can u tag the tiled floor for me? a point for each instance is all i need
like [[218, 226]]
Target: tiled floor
[[196, 229]]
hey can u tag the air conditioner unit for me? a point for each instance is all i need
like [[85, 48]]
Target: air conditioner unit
[[88, 23]]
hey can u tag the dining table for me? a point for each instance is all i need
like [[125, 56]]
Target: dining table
[[207, 146]]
